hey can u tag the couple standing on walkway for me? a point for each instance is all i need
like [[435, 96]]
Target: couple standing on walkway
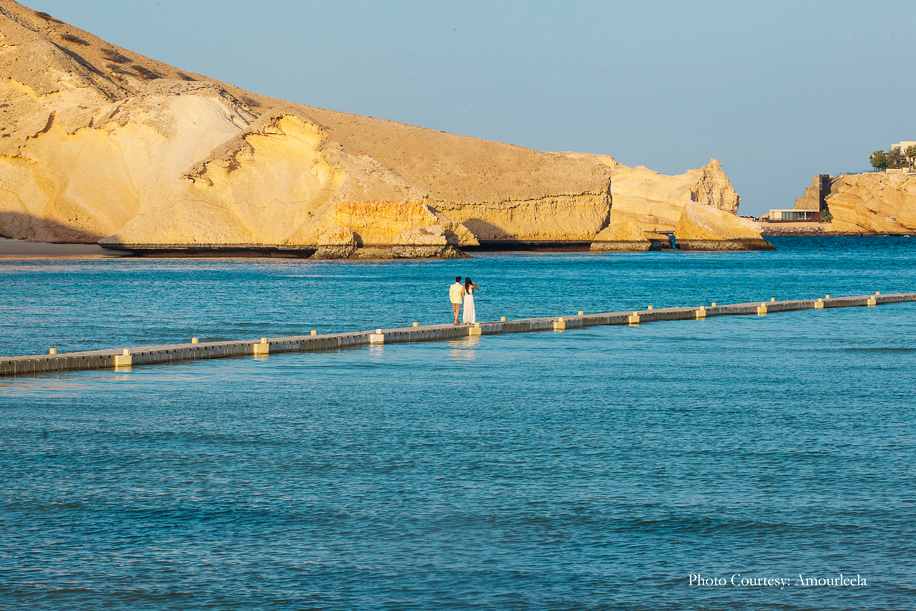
[[465, 291]]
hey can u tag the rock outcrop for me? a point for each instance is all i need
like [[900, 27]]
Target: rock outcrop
[[654, 202], [621, 237], [700, 204], [336, 243], [100, 144], [873, 203], [530, 197], [706, 228], [628, 237], [811, 198], [424, 242], [280, 182]]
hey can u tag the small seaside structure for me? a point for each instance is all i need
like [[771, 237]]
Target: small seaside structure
[[791, 215], [808, 207]]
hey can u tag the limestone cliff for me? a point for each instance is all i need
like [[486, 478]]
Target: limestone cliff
[[654, 202], [621, 237], [547, 197], [98, 143], [707, 228], [280, 182], [811, 198], [628, 237], [873, 203], [647, 205]]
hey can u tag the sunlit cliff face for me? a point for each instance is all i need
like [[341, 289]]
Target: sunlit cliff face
[[878, 202], [101, 144]]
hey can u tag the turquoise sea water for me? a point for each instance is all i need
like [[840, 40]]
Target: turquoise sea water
[[588, 469]]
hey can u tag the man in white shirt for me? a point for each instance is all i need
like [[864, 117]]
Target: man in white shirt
[[454, 295]]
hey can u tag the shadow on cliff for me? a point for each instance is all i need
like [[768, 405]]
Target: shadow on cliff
[[484, 231], [19, 226], [493, 238], [43, 236]]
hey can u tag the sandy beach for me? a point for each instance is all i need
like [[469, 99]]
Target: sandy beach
[[20, 249]]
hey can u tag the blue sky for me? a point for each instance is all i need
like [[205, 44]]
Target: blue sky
[[776, 91]]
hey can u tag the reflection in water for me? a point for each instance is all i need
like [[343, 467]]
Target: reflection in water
[[464, 348], [261, 357], [376, 349], [22, 386]]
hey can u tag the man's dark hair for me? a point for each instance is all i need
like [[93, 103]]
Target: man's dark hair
[[458, 279]]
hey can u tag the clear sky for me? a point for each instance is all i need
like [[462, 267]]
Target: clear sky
[[777, 91]]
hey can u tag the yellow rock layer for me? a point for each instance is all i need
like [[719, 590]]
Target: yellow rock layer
[[874, 202], [811, 199], [620, 236], [703, 227], [654, 202]]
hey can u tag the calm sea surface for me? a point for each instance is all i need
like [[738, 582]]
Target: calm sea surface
[[602, 468]]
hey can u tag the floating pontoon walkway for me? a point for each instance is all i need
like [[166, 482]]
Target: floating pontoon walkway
[[148, 355]]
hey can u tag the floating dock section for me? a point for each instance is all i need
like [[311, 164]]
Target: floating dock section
[[148, 355]]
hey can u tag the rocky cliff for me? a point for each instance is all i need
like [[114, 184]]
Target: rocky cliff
[[873, 203], [654, 202], [647, 205], [98, 143], [707, 228], [811, 198]]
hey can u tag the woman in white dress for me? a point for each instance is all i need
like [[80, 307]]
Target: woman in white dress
[[469, 316]]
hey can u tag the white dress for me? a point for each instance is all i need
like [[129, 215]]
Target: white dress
[[469, 316]]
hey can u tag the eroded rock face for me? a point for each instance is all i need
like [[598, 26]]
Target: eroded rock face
[[874, 202], [424, 242], [536, 197], [621, 237], [703, 227], [281, 182], [100, 144], [647, 205], [336, 243], [654, 202], [811, 199]]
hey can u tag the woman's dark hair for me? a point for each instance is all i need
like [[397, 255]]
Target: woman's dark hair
[[467, 283]]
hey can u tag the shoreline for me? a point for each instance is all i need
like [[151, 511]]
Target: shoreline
[[820, 233], [21, 249]]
